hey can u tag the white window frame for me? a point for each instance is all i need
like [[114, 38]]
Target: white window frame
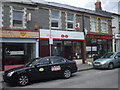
[[119, 26], [103, 22], [74, 21], [58, 19], [23, 18], [93, 21]]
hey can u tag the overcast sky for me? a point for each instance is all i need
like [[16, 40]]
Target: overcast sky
[[107, 5]]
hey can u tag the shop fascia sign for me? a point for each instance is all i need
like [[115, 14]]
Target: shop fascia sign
[[117, 36], [94, 36], [9, 33], [61, 35]]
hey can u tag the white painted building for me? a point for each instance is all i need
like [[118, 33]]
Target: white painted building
[[116, 32]]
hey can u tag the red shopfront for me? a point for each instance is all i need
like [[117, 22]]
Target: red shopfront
[[67, 44], [98, 44]]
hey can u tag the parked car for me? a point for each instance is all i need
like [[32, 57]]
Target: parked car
[[40, 68], [109, 60]]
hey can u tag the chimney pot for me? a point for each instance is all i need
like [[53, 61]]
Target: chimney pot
[[98, 5]]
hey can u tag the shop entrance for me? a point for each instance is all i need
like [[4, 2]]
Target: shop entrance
[[68, 52], [17, 53]]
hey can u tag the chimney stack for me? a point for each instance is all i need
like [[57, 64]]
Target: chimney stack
[[98, 5]]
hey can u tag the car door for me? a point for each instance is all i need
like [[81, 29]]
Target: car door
[[57, 66], [41, 70], [117, 59]]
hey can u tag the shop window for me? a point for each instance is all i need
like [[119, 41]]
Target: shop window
[[91, 51], [93, 24], [57, 43], [18, 17], [57, 48], [109, 45], [55, 19], [77, 50], [103, 25], [100, 41], [13, 50], [91, 48], [94, 41], [88, 51], [15, 54], [67, 42], [98, 47], [70, 21]]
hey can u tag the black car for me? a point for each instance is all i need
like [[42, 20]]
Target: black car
[[40, 68]]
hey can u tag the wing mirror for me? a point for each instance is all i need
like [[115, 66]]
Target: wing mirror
[[116, 57], [38, 64]]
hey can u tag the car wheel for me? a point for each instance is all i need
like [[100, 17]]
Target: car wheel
[[111, 66], [67, 73], [23, 80]]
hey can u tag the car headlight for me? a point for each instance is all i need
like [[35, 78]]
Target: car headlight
[[103, 62], [10, 74]]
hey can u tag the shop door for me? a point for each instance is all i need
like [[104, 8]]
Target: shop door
[[68, 52], [44, 51]]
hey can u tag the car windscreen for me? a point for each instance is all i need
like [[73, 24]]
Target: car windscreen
[[108, 55], [33, 62]]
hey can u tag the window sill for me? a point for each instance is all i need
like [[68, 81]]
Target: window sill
[[18, 27], [70, 29], [55, 28]]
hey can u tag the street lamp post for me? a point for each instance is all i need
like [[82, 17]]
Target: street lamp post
[[50, 42]]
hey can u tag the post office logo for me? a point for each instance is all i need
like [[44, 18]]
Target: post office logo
[[23, 33]]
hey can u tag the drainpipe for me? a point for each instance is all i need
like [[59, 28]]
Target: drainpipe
[[84, 42]]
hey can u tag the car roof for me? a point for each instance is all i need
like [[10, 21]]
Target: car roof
[[52, 57]]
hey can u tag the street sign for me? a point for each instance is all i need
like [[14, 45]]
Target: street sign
[[50, 40]]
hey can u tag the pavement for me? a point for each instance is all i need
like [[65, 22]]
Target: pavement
[[83, 67]]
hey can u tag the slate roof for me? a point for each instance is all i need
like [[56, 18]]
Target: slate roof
[[73, 8], [65, 6]]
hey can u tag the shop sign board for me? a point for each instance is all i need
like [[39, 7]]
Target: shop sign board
[[95, 36], [16, 52], [18, 34], [61, 35], [117, 36]]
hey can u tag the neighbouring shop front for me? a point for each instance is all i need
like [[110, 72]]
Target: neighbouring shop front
[[98, 45], [117, 42], [66, 44], [18, 47]]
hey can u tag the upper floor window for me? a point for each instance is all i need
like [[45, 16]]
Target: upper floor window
[[55, 19], [70, 21], [103, 25], [93, 24], [18, 17]]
